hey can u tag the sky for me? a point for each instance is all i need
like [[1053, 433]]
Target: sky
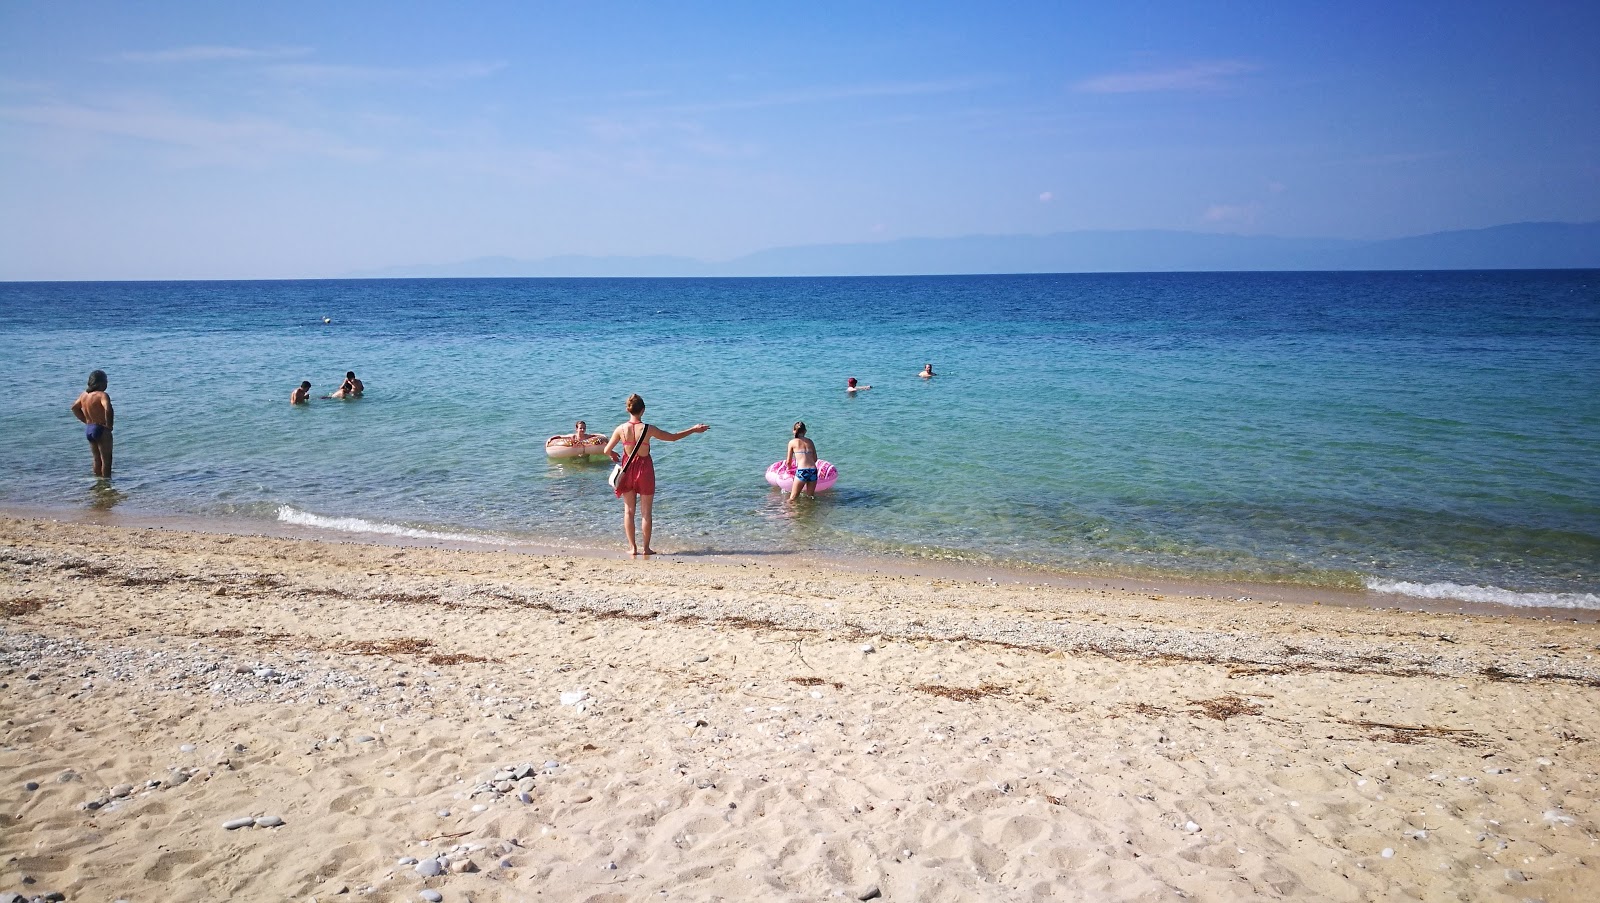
[[297, 140]]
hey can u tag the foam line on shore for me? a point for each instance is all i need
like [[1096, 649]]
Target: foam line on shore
[[288, 515], [1491, 595]]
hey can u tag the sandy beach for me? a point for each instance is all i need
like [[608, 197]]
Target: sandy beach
[[198, 716]]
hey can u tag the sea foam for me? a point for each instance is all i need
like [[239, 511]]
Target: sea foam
[[290, 515], [1491, 595]]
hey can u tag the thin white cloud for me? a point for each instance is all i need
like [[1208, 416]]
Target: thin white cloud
[[1403, 158], [840, 93], [1046, 197], [1207, 76], [211, 53], [238, 140], [1232, 213], [426, 75]]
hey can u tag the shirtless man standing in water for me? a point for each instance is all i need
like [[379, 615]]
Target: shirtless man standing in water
[[93, 408]]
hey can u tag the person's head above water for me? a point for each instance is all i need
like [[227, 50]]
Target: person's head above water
[[305, 384], [97, 381], [851, 382], [350, 374], [799, 428], [580, 425], [635, 405]]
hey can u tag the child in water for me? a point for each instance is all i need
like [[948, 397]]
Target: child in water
[[803, 455]]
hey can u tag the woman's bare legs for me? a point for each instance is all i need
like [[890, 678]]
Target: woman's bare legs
[[629, 497], [645, 503]]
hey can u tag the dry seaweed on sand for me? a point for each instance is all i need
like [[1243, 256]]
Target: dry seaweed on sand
[[458, 658], [962, 694], [401, 646], [1148, 710], [1224, 707], [1411, 733], [816, 682], [11, 608]]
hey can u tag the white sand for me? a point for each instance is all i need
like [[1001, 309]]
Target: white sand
[[736, 742]]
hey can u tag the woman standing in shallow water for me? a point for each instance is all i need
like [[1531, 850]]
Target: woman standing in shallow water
[[637, 488]]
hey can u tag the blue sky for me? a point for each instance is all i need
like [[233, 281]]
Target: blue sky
[[207, 140]]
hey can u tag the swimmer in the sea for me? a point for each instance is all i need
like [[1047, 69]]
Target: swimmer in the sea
[[803, 455], [350, 388], [851, 387], [578, 436], [93, 409], [301, 394], [927, 371]]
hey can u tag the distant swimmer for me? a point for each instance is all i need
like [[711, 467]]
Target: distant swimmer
[[850, 386], [302, 394], [350, 388], [93, 409], [927, 371], [803, 455]]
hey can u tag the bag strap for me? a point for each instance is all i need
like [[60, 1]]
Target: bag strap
[[636, 443]]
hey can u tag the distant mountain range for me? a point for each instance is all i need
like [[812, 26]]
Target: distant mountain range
[[1517, 246]]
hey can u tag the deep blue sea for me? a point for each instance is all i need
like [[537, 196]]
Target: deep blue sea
[[1433, 434]]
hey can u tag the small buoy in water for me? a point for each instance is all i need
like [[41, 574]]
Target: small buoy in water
[[327, 319]]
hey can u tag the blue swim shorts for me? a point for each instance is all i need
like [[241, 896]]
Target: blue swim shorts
[[806, 474], [94, 432]]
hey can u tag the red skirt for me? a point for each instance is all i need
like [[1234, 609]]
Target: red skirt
[[640, 477]]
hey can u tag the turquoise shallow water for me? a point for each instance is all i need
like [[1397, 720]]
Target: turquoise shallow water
[[1426, 433]]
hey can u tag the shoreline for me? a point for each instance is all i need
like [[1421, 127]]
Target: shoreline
[[1266, 593], [599, 729]]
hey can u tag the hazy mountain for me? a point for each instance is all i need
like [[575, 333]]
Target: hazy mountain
[[1515, 246], [1518, 246], [566, 265]]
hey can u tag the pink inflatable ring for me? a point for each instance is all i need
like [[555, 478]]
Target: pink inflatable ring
[[781, 475]]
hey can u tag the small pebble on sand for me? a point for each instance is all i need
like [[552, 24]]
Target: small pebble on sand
[[236, 823]]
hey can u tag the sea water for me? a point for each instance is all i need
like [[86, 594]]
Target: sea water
[[1430, 434]]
